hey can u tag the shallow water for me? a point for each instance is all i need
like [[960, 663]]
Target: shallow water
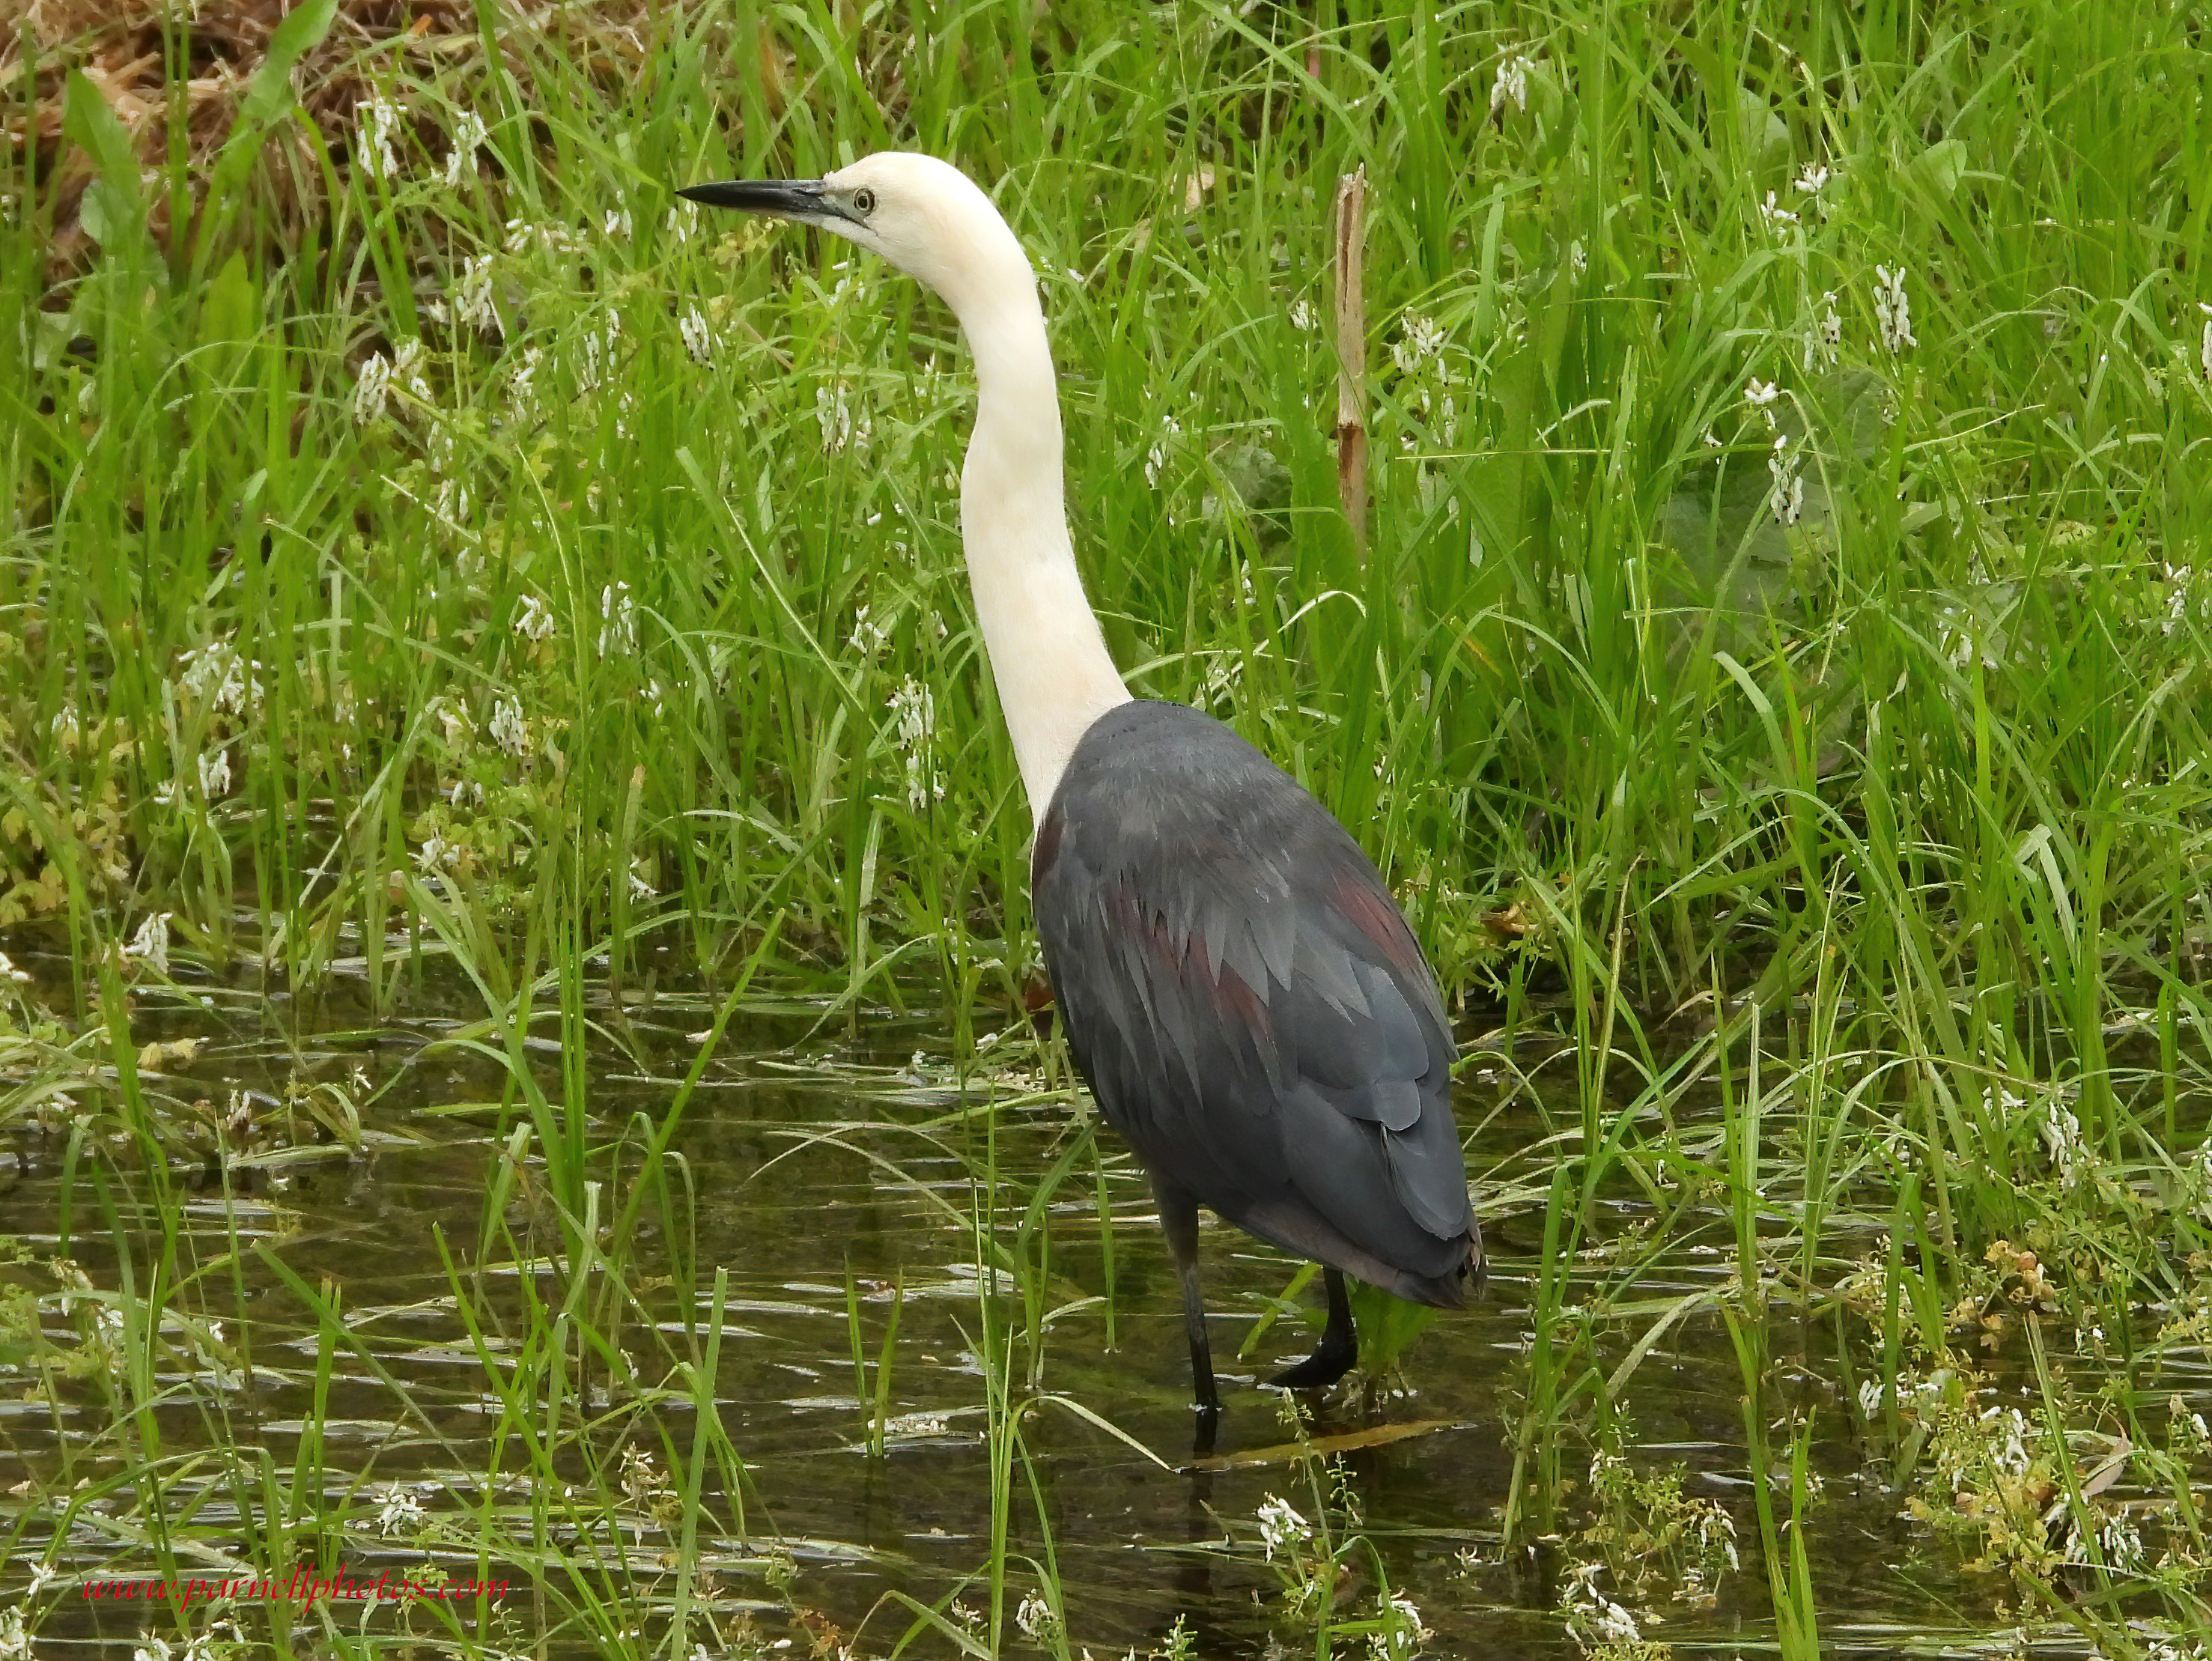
[[813, 1155]]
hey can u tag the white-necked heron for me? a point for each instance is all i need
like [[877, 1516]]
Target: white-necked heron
[[1237, 986]]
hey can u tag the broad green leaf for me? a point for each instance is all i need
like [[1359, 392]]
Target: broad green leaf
[[1941, 165], [113, 210], [228, 311]]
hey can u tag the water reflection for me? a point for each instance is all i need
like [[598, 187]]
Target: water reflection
[[834, 1183]]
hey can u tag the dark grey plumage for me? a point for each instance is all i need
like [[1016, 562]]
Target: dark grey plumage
[[1252, 1013]]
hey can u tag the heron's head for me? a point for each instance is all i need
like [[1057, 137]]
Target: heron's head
[[924, 216]]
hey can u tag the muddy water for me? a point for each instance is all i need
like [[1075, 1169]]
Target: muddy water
[[814, 1156]]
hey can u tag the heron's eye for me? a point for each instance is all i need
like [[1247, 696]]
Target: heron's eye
[[864, 201]]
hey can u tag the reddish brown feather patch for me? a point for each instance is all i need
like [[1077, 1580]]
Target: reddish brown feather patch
[[1185, 958], [1370, 911], [1233, 997]]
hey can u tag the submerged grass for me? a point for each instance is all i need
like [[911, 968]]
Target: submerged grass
[[1776, 681]]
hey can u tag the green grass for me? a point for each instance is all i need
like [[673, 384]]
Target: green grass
[[1859, 864]]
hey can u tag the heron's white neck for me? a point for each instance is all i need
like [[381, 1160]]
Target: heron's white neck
[[1054, 672]]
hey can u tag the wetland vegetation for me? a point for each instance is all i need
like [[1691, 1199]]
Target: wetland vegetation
[[518, 1053]]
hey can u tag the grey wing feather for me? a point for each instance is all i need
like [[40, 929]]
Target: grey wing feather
[[1247, 1002]]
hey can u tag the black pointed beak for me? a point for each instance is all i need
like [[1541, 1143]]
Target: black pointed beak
[[801, 199]]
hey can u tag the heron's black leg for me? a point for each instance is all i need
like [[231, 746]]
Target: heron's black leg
[[1179, 1222], [1339, 1347]]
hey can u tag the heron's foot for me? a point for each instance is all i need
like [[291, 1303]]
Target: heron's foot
[[1332, 1359], [1339, 1347]]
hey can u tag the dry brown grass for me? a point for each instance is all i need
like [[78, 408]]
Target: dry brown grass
[[160, 62]]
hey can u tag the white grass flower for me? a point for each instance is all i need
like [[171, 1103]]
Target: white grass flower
[[1157, 457], [548, 238], [436, 853], [1825, 339], [868, 637], [534, 623], [1304, 318], [508, 730], [1893, 313], [371, 389], [1511, 85], [1785, 496], [214, 775], [641, 1480], [599, 353], [640, 888], [1776, 215], [451, 502], [843, 427], [2121, 1541], [2060, 1133], [681, 223], [616, 225], [913, 718], [2204, 349], [2187, 1427], [151, 1648], [1591, 1613], [1419, 341], [1614, 1624], [1759, 394], [1871, 1394], [150, 945], [2010, 1456], [440, 446], [9, 975], [457, 728], [1281, 1528], [1954, 630], [2180, 582], [217, 676], [472, 303], [1400, 1638], [15, 1640], [407, 368], [401, 1510], [522, 385], [618, 632], [375, 120], [698, 337], [468, 133], [1717, 1531], [852, 283], [1812, 178], [1036, 1619]]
